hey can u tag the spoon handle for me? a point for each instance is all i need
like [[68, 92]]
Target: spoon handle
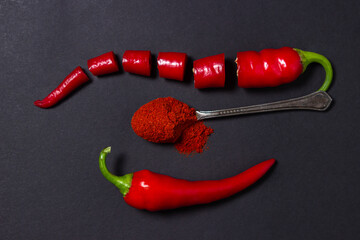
[[318, 101]]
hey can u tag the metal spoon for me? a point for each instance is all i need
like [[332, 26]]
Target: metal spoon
[[318, 101]]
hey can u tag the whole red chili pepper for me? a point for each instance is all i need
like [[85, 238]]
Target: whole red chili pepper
[[138, 62], [103, 64], [152, 191], [76, 78], [171, 65], [273, 67], [209, 72]]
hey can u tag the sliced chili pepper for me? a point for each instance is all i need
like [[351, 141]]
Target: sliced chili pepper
[[153, 192], [171, 65], [209, 72], [103, 64], [138, 62], [76, 78], [274, 67]]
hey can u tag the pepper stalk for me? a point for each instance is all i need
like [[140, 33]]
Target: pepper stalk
[[123, 183], [310, 57]]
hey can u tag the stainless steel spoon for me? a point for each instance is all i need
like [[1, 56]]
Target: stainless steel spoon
[[318, 101]]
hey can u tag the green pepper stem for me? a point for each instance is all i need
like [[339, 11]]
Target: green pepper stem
[[310, 57], [123, 183]]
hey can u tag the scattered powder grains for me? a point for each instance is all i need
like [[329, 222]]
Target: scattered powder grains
[[194, 138], [167, 120]]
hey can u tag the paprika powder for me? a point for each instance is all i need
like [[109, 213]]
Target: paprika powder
[[168, 120], [193, 138]]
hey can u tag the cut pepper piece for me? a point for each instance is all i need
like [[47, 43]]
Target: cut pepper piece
[[209, 72]]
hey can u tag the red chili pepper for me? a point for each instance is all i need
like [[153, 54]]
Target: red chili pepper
[[103, 64], [76, 78], [152, 191], [209, 72], [138, 62], [273, 67], [171, 65]]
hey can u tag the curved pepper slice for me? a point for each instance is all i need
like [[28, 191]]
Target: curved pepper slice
[[274, 67], [209, 72], [171, 65], [153, 192], [76, 78], [103, 64], [138, 62]]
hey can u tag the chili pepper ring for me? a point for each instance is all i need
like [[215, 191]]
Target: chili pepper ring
[[137, 62], [172, 65], [209, 72], [103, 64]]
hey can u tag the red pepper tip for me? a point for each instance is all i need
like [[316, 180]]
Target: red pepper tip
[[269, 163], [40, 103], [272, 161]]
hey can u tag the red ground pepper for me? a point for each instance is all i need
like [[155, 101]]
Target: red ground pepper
[[162, 120], [76, 78], [273, 67], [167, 120], [172, 65], [154, 192], [209, 72], [138, 62], [193, 138], [103, 64]]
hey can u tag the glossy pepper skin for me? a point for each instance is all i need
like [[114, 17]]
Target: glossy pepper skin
[[103, 64], [209, 72], [274, 67], [154, 192], [171, 65], [138, 62], [75, 79]]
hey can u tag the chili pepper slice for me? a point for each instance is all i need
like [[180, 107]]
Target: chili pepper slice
[[76, 78], [274, 67], [138, 62], [153, 191], [209, 72], [171, 65], [103, 64]]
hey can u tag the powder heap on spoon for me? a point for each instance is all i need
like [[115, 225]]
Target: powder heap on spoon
[[167, 120]]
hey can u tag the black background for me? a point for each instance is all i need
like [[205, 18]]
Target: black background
[[50, 184]]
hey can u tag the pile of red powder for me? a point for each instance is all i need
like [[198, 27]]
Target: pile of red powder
[[193, 138], [167, 120]]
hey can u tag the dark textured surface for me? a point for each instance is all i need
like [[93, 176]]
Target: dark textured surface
[[50, 184]]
